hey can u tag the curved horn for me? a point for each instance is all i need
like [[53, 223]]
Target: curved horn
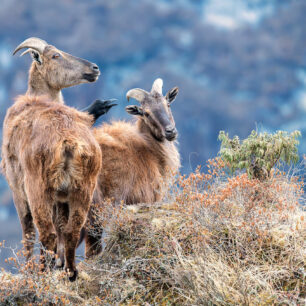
[[25, 52], [32, 43], [137, 94], [157, 86]]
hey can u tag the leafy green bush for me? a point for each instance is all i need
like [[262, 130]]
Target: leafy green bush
[[259, 153]]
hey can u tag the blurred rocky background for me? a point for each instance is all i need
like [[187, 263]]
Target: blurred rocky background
[[240, 65]]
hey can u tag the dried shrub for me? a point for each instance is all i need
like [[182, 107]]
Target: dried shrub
[[31, 286], [220, 240], [216, 240]]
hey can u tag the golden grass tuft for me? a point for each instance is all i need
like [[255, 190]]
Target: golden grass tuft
[[218, 240]]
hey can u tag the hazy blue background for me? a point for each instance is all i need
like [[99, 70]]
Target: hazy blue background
[[240, 64]]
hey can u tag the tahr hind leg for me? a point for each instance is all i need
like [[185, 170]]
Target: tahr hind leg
[[60, 220], [41, 205], [78, 209], [27, 225]]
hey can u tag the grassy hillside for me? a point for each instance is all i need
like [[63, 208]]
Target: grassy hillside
[[216, 239]]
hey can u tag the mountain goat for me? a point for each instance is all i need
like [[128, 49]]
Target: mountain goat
[[49, 156], [137, 157], [51, 161]]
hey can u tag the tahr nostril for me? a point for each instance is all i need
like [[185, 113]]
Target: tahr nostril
[[95, 67], [170, 130]]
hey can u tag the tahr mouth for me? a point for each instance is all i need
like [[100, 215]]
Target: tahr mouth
[[91, 77], [171, 137], [165, 136]]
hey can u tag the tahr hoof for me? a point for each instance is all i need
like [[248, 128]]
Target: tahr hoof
[[73, 275]]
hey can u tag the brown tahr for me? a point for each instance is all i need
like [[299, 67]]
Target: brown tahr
[[137, 157], [51, 71], [51, 161]]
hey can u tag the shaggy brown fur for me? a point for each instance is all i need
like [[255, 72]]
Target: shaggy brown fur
[[51, 71], [137, 158], [134, 163], [51, 161]]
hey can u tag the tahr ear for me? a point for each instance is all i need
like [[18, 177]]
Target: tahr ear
[[171, 94], [134, 110], [36, 57]]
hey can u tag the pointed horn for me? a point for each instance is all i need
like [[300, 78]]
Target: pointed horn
[[137, 94], [33, 43], [157, 86], [25, 52]]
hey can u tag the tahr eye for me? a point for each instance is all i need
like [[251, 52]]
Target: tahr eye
[[147, 114], [56, 55]]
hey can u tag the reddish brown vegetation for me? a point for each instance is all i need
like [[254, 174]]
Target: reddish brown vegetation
[[218, 240]]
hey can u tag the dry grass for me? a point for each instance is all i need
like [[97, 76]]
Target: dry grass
[[217, 241]]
